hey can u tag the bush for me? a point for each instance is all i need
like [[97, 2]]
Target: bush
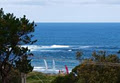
[[14, 77], [101, 69]]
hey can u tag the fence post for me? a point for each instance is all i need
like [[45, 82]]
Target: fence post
[[23, 78]]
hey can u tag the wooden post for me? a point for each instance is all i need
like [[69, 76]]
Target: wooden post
[[23, 78]]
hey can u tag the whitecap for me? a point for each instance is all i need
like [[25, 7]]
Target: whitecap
[[60, 46], [38, 47], [43, 70], [69, 50], [82, 47]]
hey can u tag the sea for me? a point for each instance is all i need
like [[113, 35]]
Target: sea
[[58, 43]]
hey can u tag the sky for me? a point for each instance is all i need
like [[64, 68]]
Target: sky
[[64, 10]]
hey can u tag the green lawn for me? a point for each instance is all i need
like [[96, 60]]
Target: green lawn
[[37, 77]]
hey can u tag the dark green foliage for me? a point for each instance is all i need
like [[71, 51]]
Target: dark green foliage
[[102, 68], [24, 65], [113, 58], [14, 76], [98, 73], [99, 56], [79, 56], [14, 32], [59, 79], [65, 79]]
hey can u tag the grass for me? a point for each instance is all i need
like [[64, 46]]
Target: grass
[[37, 77]]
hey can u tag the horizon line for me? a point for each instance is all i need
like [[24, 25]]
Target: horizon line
[[76, 22]]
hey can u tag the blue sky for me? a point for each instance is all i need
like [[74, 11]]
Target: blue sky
[[65, 10]]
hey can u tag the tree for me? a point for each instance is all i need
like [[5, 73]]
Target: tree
[[99, 56], [14, 32], [101, 68], [79, 56]]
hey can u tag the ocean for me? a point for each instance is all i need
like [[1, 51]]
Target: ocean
[[58, 43]]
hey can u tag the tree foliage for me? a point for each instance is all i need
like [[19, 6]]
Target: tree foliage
[[14, 32], [101, 68], [79, 56]]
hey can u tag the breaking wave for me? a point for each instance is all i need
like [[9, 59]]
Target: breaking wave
[[38, 47], [43, 70], [59, 48], [82, 47]]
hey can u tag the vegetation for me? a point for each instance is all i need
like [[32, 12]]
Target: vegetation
[[37, 77], [79, 56], [101, 68], [32, 77], [14, 32], [14, 76]]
